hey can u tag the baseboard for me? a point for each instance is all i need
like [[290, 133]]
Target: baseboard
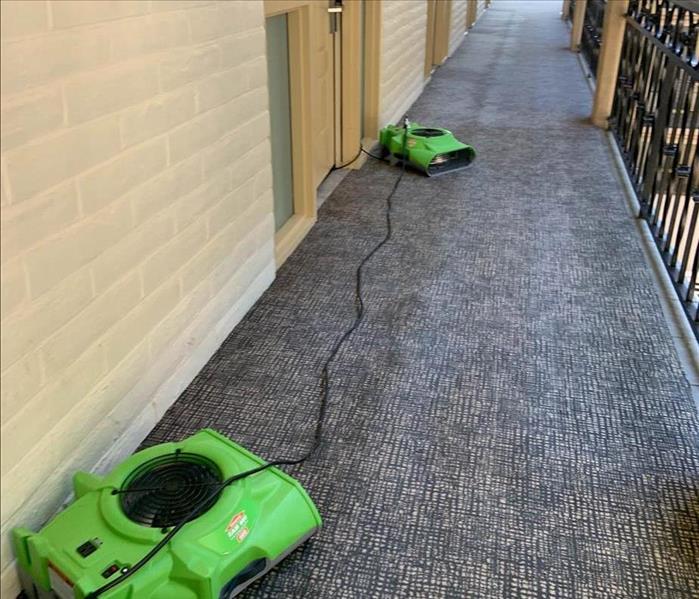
[[589, 77]]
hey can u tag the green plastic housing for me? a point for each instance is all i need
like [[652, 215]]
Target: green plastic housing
[[431, 150], [254, 524]]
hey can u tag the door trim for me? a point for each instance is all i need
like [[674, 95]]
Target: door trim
[[372, 69], [442, 20], [429, 38], [296, 228], [349, 68]]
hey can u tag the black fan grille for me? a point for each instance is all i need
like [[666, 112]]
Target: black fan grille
[[427, 132], [163, 491]]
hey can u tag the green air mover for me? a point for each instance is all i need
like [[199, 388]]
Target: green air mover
[[432, 150], [232, 535]]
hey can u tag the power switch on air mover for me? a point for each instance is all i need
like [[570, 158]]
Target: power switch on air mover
[[113, 569]]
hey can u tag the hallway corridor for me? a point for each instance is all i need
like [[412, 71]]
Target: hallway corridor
[[511, 418]]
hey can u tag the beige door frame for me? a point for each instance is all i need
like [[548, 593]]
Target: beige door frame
[[429, 38], [348, 65], [437, 34], [372, 70], [471, 13], [296, 228], [442, 20]]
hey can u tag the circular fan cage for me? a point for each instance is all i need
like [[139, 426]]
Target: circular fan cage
[[428, 132], [171, 488]]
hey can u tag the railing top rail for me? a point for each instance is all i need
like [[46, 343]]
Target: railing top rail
[[692, 5], [673, 25]]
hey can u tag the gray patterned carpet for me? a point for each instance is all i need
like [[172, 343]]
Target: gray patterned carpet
[[511, 419]]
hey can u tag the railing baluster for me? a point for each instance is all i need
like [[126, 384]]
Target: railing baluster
[[691, 255], [683, 171], [591, 39], [655, 119]]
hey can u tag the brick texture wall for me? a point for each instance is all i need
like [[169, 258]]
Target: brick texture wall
[[136, 222], [459, 8], [402, 57]]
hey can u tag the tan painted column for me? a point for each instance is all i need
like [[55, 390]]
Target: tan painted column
[[609, 57], [578, 22], [350, 82], [565, 9], [441, 32], [373, 29], [471, 13]]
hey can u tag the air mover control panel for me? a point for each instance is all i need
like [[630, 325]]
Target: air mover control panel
[[232, 535]]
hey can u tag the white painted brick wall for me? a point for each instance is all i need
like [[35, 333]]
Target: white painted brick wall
[[402, 56], [458, 24], [136, 221]]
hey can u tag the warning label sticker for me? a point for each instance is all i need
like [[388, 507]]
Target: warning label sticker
[[240, 537], [238, 527]]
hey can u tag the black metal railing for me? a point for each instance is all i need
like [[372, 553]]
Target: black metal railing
[[655, 122], [591, 38]]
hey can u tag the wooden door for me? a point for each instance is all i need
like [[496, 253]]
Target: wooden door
[[429, 43], [325, 103], [322, 75], [319, 42], [312, 106]]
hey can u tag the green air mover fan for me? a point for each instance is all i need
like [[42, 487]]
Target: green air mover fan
[[231, 538], [432, 150]]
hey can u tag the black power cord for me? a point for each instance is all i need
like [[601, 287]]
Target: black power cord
[[324, 395], [356, 157]]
